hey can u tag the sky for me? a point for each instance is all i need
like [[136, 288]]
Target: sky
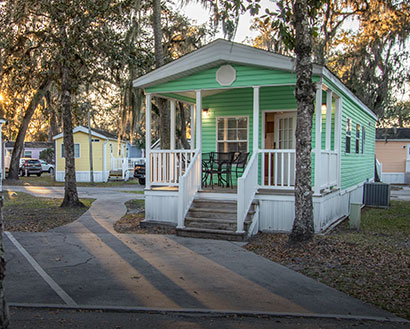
[[201, 15]]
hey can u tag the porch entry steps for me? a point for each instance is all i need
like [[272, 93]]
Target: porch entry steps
[[215, 219], [115, 175]]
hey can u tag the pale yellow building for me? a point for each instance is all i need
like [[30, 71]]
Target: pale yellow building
[[393, 153], [108, 154]]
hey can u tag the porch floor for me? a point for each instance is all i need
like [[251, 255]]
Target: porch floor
[[208, 189], [228, 190]]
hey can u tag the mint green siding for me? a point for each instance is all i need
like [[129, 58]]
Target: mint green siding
[[245, 76], [356, 167], [237, 100]]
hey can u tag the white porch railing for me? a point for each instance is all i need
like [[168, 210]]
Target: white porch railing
[[278, 168], [121, 164], [247, 188], [328, 169], [189, 184], [167, 166], [116, 163]]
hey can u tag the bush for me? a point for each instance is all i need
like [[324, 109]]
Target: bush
[[47, 155]]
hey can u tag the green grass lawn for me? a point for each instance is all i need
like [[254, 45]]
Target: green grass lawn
[[48, 180], [26, 213], [371, 264]]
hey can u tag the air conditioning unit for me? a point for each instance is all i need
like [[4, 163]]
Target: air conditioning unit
[[376, 195]]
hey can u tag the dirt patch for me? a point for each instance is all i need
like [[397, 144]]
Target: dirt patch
[[23, 212], [371, 265], [131, 222]]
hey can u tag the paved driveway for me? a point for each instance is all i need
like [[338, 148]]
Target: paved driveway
[[87, 263]]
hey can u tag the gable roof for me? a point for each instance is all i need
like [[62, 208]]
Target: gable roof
[[95, 132], [223, 51], [213, 54], [393, 134]]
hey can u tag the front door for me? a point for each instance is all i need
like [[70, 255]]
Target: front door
[[279, 167], [285, 127]]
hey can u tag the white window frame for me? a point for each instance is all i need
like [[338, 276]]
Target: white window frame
[[348, 120], [26, 154], [357, 139], [79, 150], [363, 139], [229, 141]]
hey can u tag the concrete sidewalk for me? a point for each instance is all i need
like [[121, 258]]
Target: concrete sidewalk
[[88, 264]]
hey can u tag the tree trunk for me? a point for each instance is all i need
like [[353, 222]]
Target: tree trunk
[[305, 95], [156, 17], [164, 116], [4, 314], [19, 144], [184, 141], [70, 185], [52, 118]]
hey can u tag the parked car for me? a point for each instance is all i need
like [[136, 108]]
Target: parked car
[[47, 167], [30, 166], [139, 172]]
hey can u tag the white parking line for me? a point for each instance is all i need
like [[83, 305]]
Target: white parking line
[[58, 290]]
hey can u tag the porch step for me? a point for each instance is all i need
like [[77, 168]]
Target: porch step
[[115, 175], [191, 232], [214, 223], [228, 214], [215, 219], [215, 204]]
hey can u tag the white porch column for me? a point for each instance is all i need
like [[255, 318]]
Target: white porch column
[[192, 126], [318, 139], [148, 141], [255, 119], [172, 130], [338, 138], [329, 98], [199, 120]]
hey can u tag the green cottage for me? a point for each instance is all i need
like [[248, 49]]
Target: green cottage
[[243, 109]]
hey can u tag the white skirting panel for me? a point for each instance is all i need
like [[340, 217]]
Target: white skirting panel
[[277, 211], [161, 206], [395, 178], [84, 176]]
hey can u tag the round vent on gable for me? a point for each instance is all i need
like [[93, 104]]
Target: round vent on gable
[[226, 75]]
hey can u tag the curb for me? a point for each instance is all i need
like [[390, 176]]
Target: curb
[[206, 312]]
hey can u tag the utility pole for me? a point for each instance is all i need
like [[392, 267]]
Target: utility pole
[[90, 138]]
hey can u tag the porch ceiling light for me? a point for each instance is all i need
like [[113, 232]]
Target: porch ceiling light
[[226, 75], [324, 109]]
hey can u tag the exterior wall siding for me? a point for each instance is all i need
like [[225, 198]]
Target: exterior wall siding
[[239, 102], [355, 167], [82, 164], [392, 155], [245, 76]]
